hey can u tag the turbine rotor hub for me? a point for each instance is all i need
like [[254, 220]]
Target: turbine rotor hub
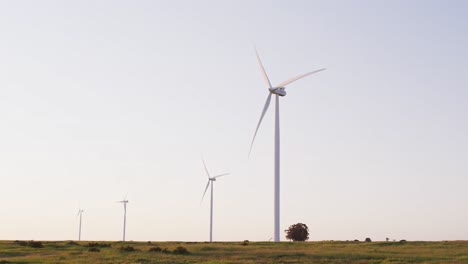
[[278, 90]]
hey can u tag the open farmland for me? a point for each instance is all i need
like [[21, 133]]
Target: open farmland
[[234, 252]]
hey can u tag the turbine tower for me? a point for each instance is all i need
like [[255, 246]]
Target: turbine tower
[[278, 90], [124, 202], [80, 214], [211, 180]]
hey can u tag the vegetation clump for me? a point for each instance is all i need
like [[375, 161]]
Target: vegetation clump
[[165, 251], [245, 243], [127, 248], [180, 251], [98, 245], [35, 244], [94, 249], [297, 232], [155, 249], [21, 243], [367, 240]]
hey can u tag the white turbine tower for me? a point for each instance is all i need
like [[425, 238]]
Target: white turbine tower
[[124, 202], [210, 182], [278, 90], [80, 214]]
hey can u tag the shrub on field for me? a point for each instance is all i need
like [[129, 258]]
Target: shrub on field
[[35, 244], [165, 251], [94, 249], [96, 244], [180, 251], [368, 240], [155, 249], [297, 232], [21, 243], [127, 248], [245, 243]]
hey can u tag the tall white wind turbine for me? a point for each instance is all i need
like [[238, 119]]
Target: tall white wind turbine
[[211, 180], [278, 90], [80, 214], [124, 202]]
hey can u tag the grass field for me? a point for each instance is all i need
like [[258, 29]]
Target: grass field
[[234, 252]]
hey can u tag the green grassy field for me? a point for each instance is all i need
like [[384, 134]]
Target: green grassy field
[[235, 252]]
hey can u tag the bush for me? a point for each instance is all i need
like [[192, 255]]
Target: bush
[[94, 249], [402, 241], [368, 240], [165, 251], [245, 243], [72, 243], [101, 245], [127, 248], [356, 240], [21, 243], [297, 232], [155, 249], [180, 251], [35, 244]]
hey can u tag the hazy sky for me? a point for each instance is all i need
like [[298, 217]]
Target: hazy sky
[[103, 98]]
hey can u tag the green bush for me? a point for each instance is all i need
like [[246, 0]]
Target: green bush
[[100, 245], [35, 244], [94, 249], [155, 249], [180, 251], [127, 248], [21, 243]]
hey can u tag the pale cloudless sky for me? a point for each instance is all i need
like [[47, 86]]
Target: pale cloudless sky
[[103, 98]]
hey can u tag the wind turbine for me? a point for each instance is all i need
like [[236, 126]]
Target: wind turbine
[[278, 90], [124, 202], [211, 180], [80, 214]]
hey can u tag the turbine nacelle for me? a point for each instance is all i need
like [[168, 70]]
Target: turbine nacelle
[[278, 90]]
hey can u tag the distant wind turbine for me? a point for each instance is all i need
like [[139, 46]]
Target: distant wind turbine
[[80, 214], [210, 182], [124, 202], [278, 90]]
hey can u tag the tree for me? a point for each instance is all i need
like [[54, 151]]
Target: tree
[[297, 232]]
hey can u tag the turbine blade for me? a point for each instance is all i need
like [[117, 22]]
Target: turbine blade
[[217, 176], [265, 108], [288, 81], [79, 211], [206, 169], [265, 76], [208, 184]]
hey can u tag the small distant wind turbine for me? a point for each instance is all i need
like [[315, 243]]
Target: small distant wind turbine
[[80, 214], [124, 202], [277, 91], [210, 181]]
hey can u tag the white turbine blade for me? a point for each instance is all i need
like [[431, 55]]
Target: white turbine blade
[[265, 76], [206, 169], [265, 108], [208, 184], [79, 211], [288, 81], [217, 176]]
